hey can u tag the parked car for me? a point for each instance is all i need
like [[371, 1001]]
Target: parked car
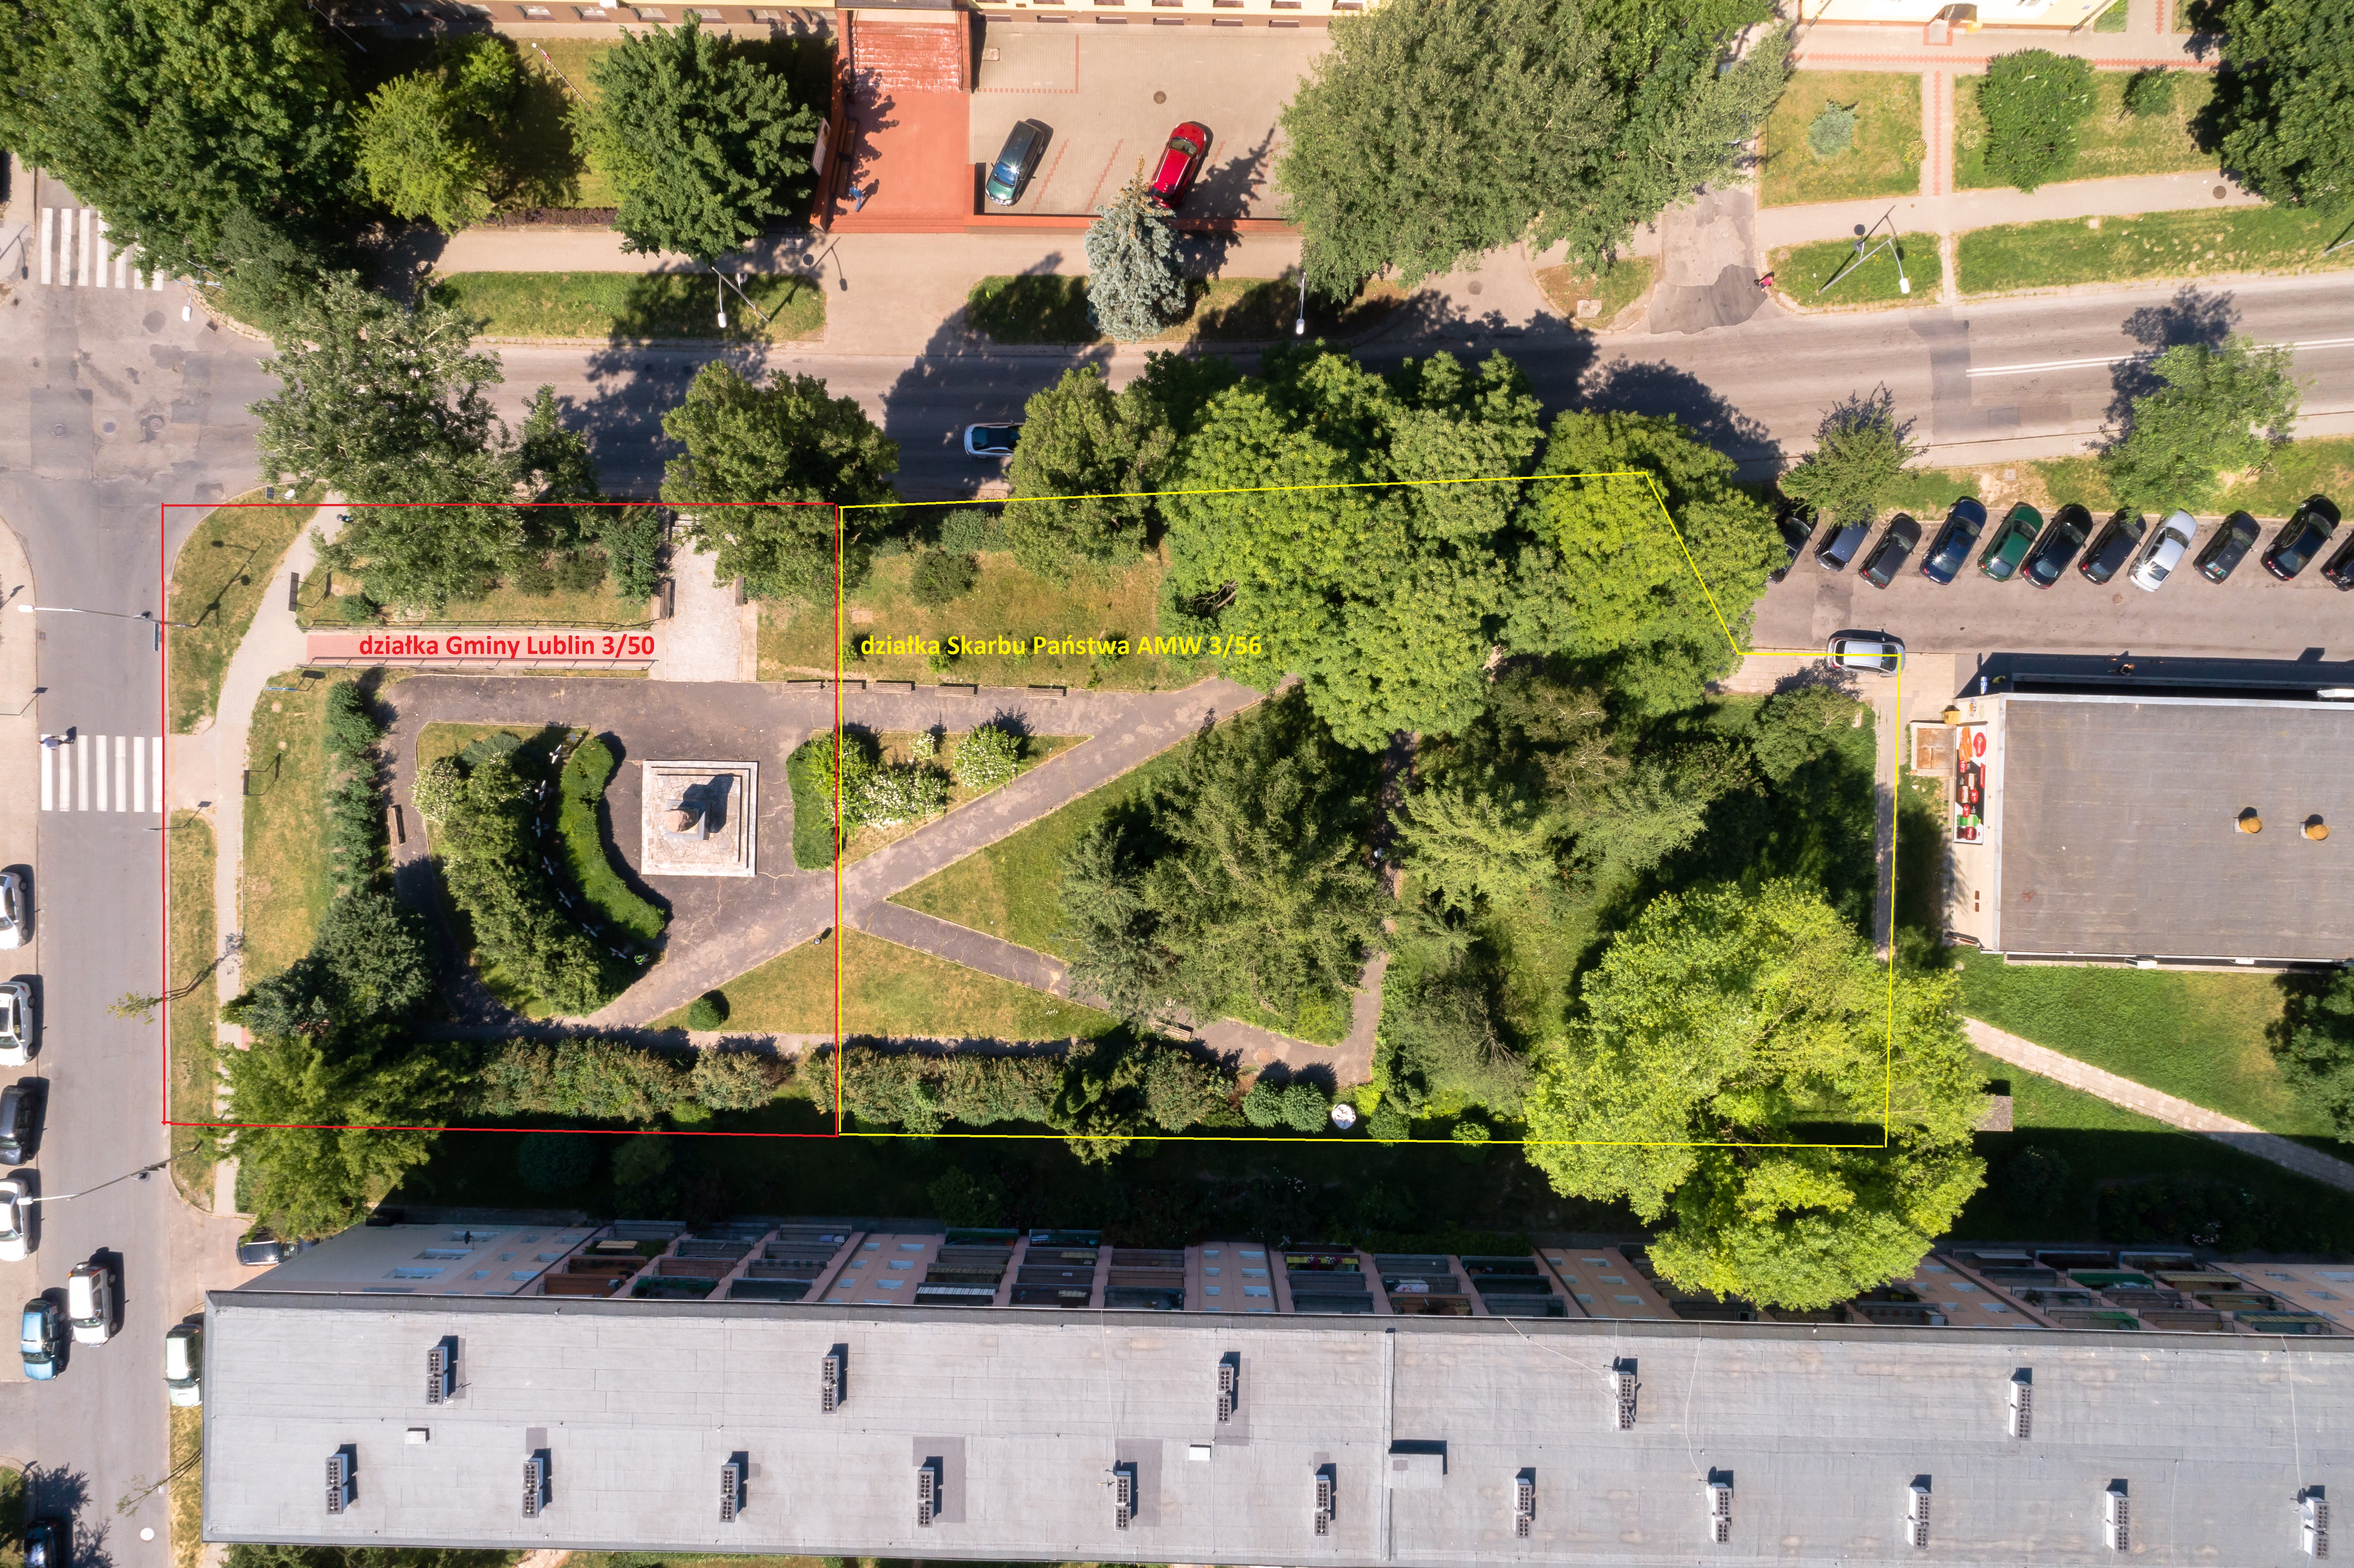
[[42, 1339], [990, 441], [263, 1252], [1796, 524], [16, 1223], [20, 1108], [16, 1024], [1874, 652], [2011, 543], [2165, 551], [2339, 570], [1951, 547], [2228, 547], [2059, 545], [2112, 547], [184, 1364], [1840, 543], [89, 1302], [13, 912], [1887, 558], [1180, 160], [2301, 537], [45, 1543], [1015, 162]]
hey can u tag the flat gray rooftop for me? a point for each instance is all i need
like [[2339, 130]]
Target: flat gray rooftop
[[2118, 836], [1425, 1424]]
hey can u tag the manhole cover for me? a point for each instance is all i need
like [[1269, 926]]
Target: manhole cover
[[2116, 599], [56, 430], [2218, 193], [1163, 98], [108, 426], [1477, 286], [152, 424]]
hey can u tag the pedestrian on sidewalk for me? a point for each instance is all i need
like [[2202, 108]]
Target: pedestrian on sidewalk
[[1765, 283]]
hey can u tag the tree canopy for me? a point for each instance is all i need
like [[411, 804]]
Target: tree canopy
[[1134, 286], [1861, 449], [2034, 102], [2284, 102], [2314, 1044], [2217, 410], [424, 138]]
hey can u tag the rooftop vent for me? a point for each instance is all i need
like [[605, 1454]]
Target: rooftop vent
[[2249, 822], [339, 1481], [1720, 1511], [441, 1371], [2316, 828], [1916, 1514], [731, 1491], [1524, 1503], [927, 1492], [834, 1379], [1622, 1387], [1123, 1494], [534, 1485], [1230, 1384], [2022, 1403], [2116, 1520], [1325, 1500], [2313, 1513]]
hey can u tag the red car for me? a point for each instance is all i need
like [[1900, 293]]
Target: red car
[[1180, 160]]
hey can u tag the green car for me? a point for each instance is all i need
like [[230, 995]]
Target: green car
[[2011, 541]]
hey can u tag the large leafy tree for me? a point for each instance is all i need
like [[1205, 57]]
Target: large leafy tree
[[705, 143], [1134, 286], [326, 1131], [1433, 131], [2284, 105], [2314, 1042], [1386, 599], [1861, 451], [786, 442], [1725, 1023], [425, 139], [2033, 103], [169, 116], [2219, 410], [1622, 582]]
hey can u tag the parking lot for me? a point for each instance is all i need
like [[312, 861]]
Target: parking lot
[[1111, 95]]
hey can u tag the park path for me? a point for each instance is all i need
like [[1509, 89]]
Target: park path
[[2286, 1153]]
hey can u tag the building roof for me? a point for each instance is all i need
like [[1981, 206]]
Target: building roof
[[2119, 834], [1422, 1426]]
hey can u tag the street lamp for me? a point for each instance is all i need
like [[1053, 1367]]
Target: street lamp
[[1299, 326], [147, 615], [1860, 255], [142, 1173]]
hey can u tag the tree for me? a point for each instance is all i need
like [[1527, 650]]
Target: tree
[[1134, 286], [174, 117], [2314, 1042], [2149, 92], [2033, 101], [1433, 131], [2220, 410], [322, 1133], [705, 145], [1388, 601], [424, 147], [2284, 100], [1725, 1022], [1470, 846], [786, 442], [1621, 581], [368, 969], [1861, 451]]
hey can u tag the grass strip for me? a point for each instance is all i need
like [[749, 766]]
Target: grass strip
[[1801, 270], [286, 878], [187, 1488], [1044, 308], [2011, 257], [581, 821], [636, 307], [2110, 143], [1884, 159], [194, 1002], [224, 567]]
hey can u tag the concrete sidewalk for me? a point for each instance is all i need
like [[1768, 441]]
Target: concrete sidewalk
[[1834, 47], [1960, 211]]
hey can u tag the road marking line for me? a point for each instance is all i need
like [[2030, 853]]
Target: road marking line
[[157, 753], [122, 771], [82, 251], [48, 775], [81, 772], [99, 254], [2042, 366], [49, 232], [139, 773]]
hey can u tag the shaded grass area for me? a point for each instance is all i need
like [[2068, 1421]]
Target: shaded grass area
[[2010, 256], [2110, 143], [12, 1516], [1617, 286], [888, 990], [285, 878], [1801, 270], [627, 307], [1040, 309], [1105, 602], [318, 605], [583, 825], [195, 1011], [2323, 465], [1884, 159], [2200, 1037], [228, 562]]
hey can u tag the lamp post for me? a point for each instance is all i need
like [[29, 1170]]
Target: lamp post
[[1299, 324], [1862, 255], [148, 616], [142, 1173]]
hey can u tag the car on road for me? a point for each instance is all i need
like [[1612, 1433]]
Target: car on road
[[1887, 558], [1797, 525], [184, 1364], [2339, 570], [1875, 653], [2011, 543], [2301, 537], [2228, 547], [1015, 162], [16, 1223], [42, 1339], [1180, 160], [16, 1024], [2112, 547], [89, 1302], [990, 441], [12, 910], [45, 1543], [1951, 547], [20, 1107], [2059, 545], [2165, 551], [1840, 543]]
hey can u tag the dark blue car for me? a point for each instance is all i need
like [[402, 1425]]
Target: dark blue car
[[1951, 548]]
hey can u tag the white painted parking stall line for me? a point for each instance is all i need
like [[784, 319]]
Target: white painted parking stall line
[[48, 774]]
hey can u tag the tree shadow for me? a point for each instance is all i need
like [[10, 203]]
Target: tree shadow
[[536, 164], [2193, 317], [1657, 388]]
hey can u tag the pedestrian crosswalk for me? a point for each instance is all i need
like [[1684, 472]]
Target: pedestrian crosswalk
[[102, 773], [74, 253]]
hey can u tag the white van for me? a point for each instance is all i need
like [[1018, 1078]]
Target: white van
[[184, 1363], [89, 1303]]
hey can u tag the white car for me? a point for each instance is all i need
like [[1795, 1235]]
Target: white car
[[1874, 652], [184, 1364], [990, 441], [89, 1303], [16, 1024], [16, 1223], [12, 910], [2168, 543]]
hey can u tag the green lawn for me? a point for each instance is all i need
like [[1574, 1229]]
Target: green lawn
[[1801, 270], [2112, 20], [896, 993], [1042, 309], [584, 825], [285, 884], [1884, 159], [2199, 1037], [194, 1002], [2011, 257], [1620, 284], [1926, 492], [318, 605], [2323, 465], [2110, 142], [224, 566], [638, 307]]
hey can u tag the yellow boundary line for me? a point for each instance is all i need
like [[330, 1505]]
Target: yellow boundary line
[[1888, 1099]]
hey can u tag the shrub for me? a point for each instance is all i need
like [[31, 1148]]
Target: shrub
[[633, 539], [809, 773], [1304, 1107], [1472, 1139], [491, 865], [2032, 102], [2149, 92], [709, 1011], [1262, 1107], [961, 1198], [1098, 1094], [2032, 1180], [356, 609], [1388, 1123], [439, 787], [940, 577], [595, 1079], [889, 795], [533, 578], [969, 531], [556, 1161], [577, 571], [643, 1160], [1832, 132], [987, 756], [736, 1080]]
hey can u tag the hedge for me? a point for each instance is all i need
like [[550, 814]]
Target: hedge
[[580, 791]]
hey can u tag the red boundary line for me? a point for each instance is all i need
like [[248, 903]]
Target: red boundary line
[[162, 713]]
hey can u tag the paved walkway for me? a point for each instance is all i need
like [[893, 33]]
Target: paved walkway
[[1830, 46], [1960, 210], [2286, 1153], [706, 637]]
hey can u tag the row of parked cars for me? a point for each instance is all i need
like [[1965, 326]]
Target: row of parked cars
[[2025, 546]]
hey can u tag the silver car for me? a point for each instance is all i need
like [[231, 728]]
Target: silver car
[[16, 1024], [16, 1223], [12, 910], [184, 1364], [2169, 542], [1873, 652]]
